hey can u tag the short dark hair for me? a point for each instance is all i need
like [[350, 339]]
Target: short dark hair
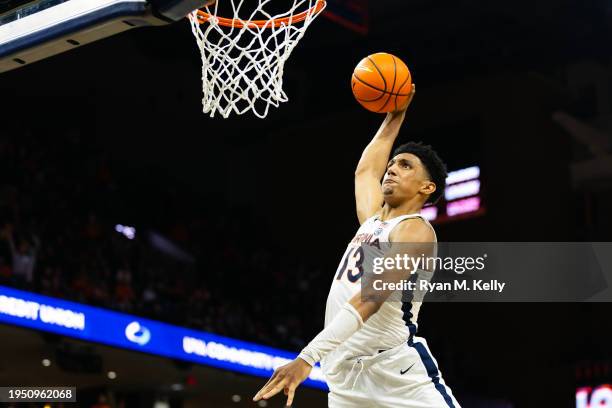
[[434, 165]]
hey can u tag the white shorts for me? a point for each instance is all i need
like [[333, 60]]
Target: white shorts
[[406, 376]]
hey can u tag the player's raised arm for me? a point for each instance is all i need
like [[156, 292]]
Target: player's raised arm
[[373, 163]]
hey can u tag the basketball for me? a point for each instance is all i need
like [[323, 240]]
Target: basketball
[[382, 83]]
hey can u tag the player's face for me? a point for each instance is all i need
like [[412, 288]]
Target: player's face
[[405, 178]]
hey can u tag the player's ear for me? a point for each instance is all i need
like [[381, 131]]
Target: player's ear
[[428, 187]]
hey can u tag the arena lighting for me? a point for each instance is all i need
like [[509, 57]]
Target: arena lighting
[[464, 206], [457, 176], [128, 232], [430, 213], [46, 362], [111, 375], [460, 184], [236, 398], [461, 190], [103, 326], [598, 397]]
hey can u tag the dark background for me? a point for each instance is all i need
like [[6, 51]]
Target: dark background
[[489, 75]]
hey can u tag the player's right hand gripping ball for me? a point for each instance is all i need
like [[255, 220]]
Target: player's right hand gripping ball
[[382, 83]]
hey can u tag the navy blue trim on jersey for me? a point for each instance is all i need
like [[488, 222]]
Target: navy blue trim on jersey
[[432, 371], [407, 307], [407, 317]]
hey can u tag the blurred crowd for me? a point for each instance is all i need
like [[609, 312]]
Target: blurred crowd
[[183, 263]]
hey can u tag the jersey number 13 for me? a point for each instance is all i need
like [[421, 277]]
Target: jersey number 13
[[352, 264]]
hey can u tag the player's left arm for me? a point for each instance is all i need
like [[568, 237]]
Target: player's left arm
[[352, 317], [373, 164]]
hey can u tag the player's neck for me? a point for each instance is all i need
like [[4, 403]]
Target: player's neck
[[409, 207]]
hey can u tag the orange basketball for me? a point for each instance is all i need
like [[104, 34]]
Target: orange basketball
[[382, 83]]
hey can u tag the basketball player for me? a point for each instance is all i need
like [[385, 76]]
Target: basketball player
[[368, 350]]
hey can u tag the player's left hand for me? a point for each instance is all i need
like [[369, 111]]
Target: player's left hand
[[285, 378]]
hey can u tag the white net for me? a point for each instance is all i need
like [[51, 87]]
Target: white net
[[243, 63]]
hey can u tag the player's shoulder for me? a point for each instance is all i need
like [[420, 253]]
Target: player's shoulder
[[413, 229]]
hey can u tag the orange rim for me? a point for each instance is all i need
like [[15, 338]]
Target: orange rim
[[203, 17]]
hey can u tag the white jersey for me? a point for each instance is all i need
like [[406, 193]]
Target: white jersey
[[394, 322]]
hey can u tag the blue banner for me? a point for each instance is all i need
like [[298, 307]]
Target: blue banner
[[148, 336]]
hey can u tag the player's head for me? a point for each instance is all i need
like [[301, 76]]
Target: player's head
[[415, 170]]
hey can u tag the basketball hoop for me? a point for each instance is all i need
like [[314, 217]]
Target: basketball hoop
[[243, 59]]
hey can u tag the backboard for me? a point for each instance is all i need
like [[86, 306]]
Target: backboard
[[31, 31]]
